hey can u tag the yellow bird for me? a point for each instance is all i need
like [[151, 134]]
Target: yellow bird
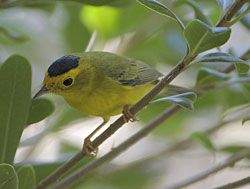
[[100, 84]]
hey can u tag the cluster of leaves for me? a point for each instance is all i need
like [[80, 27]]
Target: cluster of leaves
[[18, 110]]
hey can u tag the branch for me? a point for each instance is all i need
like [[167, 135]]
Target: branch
[[224, 164], [235, 184], [135, 109]]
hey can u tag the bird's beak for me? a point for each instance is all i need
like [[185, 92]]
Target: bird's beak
[[41, 92]]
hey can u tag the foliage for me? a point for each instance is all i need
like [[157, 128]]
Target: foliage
[[160, 33]]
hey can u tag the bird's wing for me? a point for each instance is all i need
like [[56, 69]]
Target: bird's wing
[[133, 72]]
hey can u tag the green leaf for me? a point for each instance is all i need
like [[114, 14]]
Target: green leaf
[[39, 109], [26, 177], [208, 76], [242, 67], [15, 84], [202, 37], [161, 9], [199, 12], [93, 19], [225, 4], [8, 177], [232, 149], [185, 100], [237, 113], [204, 140], [219, 57], [13, 35]]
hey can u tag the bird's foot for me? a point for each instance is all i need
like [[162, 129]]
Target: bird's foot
[[127, 115], [88, 148]]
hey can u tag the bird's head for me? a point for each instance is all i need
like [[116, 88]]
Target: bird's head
[[61, 76]]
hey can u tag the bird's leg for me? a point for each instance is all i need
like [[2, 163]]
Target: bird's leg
[[87, 146], [127, 115]]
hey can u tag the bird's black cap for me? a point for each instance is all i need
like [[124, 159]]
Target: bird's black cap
[[63, 65]]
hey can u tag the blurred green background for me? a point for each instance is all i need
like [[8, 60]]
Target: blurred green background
[[43, 31]]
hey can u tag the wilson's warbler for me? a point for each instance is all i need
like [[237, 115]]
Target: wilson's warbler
[[100, 84]]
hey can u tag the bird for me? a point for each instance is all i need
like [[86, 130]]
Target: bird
[[99, 83]]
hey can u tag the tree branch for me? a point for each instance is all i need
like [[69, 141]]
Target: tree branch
[[226, 163], [235, 184], [135, 109]]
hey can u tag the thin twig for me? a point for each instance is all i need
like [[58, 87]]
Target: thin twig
[[241, 182], [65, 183], [135, 109], [224, 164]]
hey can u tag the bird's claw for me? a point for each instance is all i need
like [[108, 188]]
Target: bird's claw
[[88, 148], [127, 115]]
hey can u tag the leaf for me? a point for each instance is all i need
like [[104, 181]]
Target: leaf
[[185, 100], [161, 9], [237, 113], [246, 21], [208, 76], [202, 37], [199, 12], [232, 149], [204, 140], [242, 67], [8, 177], [15, 81], [93, 19], [26, 177], [219, 57], [39, 109], [225, 4], [13, 35]]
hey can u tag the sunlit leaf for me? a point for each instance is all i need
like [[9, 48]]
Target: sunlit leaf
[[39, 110], [202, 37], [161, 9], [185, 100], [15, 84], [26, 177], [8, 177], [104, 20], [204, 140]]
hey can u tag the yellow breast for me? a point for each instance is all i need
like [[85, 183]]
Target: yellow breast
[[107, 99]]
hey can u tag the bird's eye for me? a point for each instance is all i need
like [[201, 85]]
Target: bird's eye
[[68, 82]]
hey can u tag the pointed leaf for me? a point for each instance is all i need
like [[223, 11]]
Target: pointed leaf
[[199, 12], [39, 110], [15, 81], [26, 177], [13, 35], [8, 177], [232, 149], [208, 76], [185, 100], [237, 113], [161, 9], [204, 140], [202, 37], [218, 57]]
